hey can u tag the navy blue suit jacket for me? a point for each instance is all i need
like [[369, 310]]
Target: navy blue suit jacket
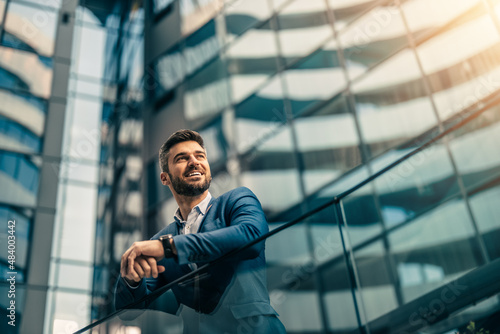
[[236, 287]]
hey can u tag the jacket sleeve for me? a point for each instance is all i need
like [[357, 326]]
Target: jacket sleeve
[[246, 223], [124, 295]]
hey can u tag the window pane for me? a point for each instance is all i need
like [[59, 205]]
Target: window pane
[[434, 248], [484, 206], [202, 46], [462, 61], [303, 26], [416, 185], [372, 38], [260, 115], [392, 103], [18, 179], [270, 170], [315, 79], [333, 150], [244, 14], [251, 60], [207, 92], [30, 28], [475, 149], [89, 50], [25, 71], [347, 10], [76, 224]]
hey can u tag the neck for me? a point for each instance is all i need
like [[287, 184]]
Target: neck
[[187, 203]]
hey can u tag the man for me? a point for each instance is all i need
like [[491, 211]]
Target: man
[[231, 297]]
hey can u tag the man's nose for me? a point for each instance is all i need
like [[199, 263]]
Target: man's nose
[[193, 161]]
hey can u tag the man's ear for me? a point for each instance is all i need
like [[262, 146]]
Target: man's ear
[[165, 179]]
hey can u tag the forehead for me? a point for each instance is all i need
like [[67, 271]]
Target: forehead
[[185, 147]]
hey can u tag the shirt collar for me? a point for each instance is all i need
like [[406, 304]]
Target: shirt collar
[[200, 207]]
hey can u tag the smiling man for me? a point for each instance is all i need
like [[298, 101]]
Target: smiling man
[[232, 296]]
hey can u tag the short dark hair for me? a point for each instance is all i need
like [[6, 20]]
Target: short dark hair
[[176, 138]]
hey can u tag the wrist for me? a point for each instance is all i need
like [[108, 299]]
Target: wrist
[[168, 244], [131, 283]]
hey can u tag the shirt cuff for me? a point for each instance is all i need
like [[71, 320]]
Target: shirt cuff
[[130, 286]]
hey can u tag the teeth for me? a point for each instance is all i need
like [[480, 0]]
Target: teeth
[[196, 173]]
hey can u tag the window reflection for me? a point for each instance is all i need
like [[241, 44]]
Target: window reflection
[[244, 14], [216, 143], [26, 71], [169, 70], [19, 178], [372, 38], [347, 10], [441, 242], [22, 120], [315, 79], [303, 25], [361, 215], [416, 185], [333, 150], [251, 60], [377, 281], [260, 116], [462, 62], [196, 12], [270, 170], [201, 46], [337, 296], [475, 149], [207, 92], [30, 28], [426, 16], [392, 104]]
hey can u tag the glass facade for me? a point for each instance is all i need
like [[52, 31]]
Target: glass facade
[[375, 121], [301, 101]]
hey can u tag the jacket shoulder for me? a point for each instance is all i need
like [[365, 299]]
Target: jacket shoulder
[[236, 193]]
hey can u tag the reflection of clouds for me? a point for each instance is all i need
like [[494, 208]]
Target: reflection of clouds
[[28, 67]]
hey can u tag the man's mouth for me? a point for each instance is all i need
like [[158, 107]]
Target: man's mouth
[[193, 174]]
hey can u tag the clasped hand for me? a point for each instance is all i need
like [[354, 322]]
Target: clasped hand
[[140, 261]]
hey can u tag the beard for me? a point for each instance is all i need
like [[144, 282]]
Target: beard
[[186, 189]]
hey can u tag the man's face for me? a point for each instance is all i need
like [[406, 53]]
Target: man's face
[[189, 171]]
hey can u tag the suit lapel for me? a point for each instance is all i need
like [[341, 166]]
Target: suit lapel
[[210, 204]]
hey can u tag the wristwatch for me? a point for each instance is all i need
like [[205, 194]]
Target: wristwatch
[[167, 241]]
